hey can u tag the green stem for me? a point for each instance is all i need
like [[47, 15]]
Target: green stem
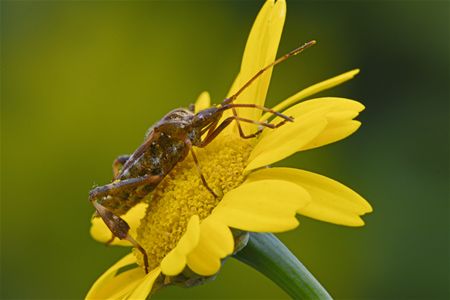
[[267, 254]]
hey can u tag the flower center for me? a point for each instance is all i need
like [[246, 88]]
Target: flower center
[[182, 194]]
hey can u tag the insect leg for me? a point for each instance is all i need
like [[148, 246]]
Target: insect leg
[[248, 136], [119, 186], [116, 224], [238, 119], [209, 128], [241, 132], [233, 97], [118, 164], [263, 108], [262, 124], [119, 227], [213, 133], [188, 142]]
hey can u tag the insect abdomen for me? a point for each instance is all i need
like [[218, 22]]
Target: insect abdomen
[[161, 157]]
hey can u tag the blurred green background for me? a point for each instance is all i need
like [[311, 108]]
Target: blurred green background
[[82, 81]]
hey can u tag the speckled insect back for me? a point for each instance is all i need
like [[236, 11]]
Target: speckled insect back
[[181, 194]]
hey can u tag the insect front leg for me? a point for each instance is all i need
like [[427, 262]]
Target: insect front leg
[[263, 108], [116, 224], [189, 144], [260, 129], [238, 119], [213, 132], [118, 164]]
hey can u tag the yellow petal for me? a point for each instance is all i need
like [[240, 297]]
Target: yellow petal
[[338, 112], [314, 89], [337, 108], [260, 50], [110, 286], [175, 261], [144, 288], [331, 201], [262, 206], [317, 122], [216, 242], [100, 232], [333, 132], [203, 102], [284, 141]]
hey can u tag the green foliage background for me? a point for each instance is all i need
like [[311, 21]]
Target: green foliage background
[[82, 81]]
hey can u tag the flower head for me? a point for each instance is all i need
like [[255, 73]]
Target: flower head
[[187, 232]]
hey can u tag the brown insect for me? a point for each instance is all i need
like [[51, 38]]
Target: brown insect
[[167, 143]]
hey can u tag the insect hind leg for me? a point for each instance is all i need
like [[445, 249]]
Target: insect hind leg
[[119, 228], [116, 224]]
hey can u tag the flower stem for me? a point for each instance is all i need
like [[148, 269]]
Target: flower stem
[[267, 254]]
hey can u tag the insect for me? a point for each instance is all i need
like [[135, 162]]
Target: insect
[[167, 143]]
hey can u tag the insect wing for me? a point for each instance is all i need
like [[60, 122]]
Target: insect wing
[[138, 153]]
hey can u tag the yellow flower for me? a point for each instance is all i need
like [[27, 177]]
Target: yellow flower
[[186, 232]]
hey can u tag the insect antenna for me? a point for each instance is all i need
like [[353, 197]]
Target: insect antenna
[[260, 72]]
